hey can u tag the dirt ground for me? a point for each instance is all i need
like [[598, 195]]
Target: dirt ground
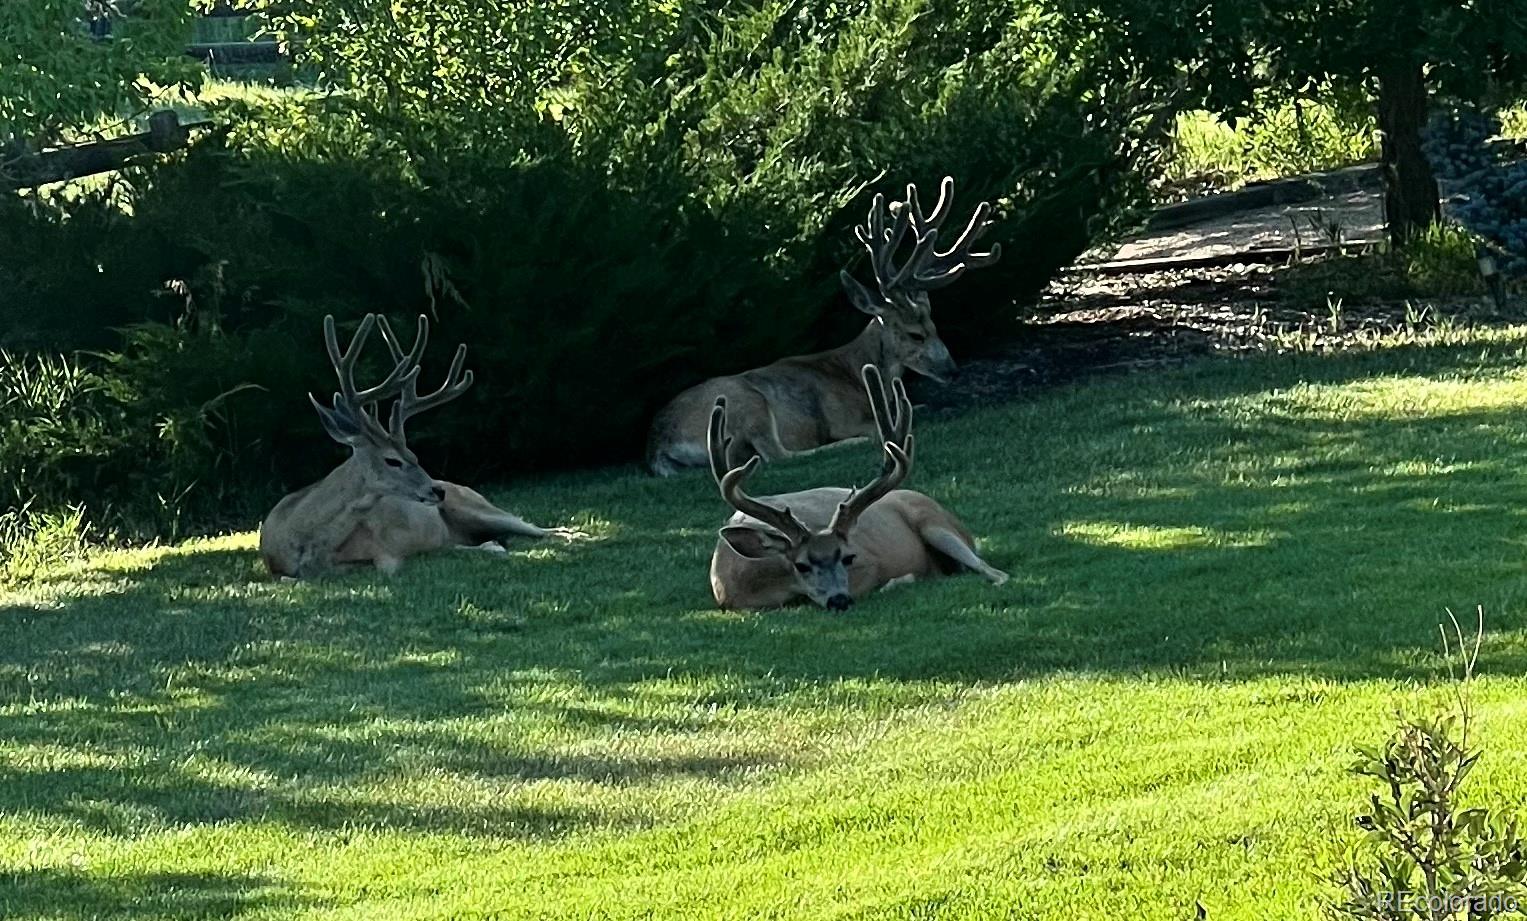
[[1091, 324], [1347, 218]]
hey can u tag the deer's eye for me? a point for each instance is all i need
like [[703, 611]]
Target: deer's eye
[[394, 462], [848, 559], [802, 568], [918, 337]]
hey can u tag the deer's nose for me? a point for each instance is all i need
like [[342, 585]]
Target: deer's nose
[[439, 492], [840, 603]]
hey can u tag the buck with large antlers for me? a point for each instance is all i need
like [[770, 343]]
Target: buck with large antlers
[[833, 545], [380, 507], [801, 403]]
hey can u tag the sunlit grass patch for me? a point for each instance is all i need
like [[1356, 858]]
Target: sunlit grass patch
[[1134, 537]]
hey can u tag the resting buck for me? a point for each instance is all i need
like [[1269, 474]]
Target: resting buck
[[380, 507], [833, 545], [808, 401]]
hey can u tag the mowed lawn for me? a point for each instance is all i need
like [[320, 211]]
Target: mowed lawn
[[1224, 578]]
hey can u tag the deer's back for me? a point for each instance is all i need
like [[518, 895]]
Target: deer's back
[[807, 400]]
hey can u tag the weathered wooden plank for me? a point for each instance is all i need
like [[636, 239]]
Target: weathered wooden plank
[[165, 134], [237, 52], [1265, 194], [1265, 256]]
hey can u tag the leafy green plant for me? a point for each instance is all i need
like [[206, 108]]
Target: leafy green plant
[[1441, 261], [1424, 855], [1281, 137], [33, 542], [57, 424], [57, 77], [139, 440], [1437, 264], [1513, 121]]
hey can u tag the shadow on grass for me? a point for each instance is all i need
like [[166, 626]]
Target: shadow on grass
[[67, 895], [1152, 527]]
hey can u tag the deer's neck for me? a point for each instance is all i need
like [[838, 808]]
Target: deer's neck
[[334, 507], [344, 483], [871, 347]]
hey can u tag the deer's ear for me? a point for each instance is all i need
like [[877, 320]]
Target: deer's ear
[[861, 297], [340, 425], [754, 543]]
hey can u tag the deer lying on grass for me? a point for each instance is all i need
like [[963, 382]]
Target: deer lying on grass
[[833, 545], [808, 401], [380, 507]]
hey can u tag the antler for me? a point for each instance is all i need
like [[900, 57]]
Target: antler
[[730, 480], [409, 402], [344, 366], [359, 404], [895, 430], [927, 268]]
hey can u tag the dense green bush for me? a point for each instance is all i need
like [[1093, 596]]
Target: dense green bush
[[138, 437], [57, 80], [1438, 264], [607, 220]]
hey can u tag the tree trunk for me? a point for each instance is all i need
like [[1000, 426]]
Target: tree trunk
[[1411, 199]]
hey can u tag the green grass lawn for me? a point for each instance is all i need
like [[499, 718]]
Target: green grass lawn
[[1224, 578]]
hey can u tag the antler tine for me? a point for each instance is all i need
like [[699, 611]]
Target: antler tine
[[922, 252], [411, 404], [945, 201], [359, 402], [421, 337], [897, 464], [717, 442], [730, 480], [882, 241], [903, 423], [409, 359], [941, 268], [893, 418], [940, 210], [874, 386], [895, 428], [343, 362]]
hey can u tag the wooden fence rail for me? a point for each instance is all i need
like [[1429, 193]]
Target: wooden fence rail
[[236, 53], [165, 133]]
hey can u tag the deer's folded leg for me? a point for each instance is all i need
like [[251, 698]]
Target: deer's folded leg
[[953, 546]]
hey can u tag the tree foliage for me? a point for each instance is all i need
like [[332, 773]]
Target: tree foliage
[[1467, 49], [57, 75], [1404, 52]]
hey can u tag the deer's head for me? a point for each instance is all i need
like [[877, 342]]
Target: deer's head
[[900, 301], [379, 456], [818, 561]]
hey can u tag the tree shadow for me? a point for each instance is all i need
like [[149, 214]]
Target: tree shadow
[[1175, 530], [69, 895]]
